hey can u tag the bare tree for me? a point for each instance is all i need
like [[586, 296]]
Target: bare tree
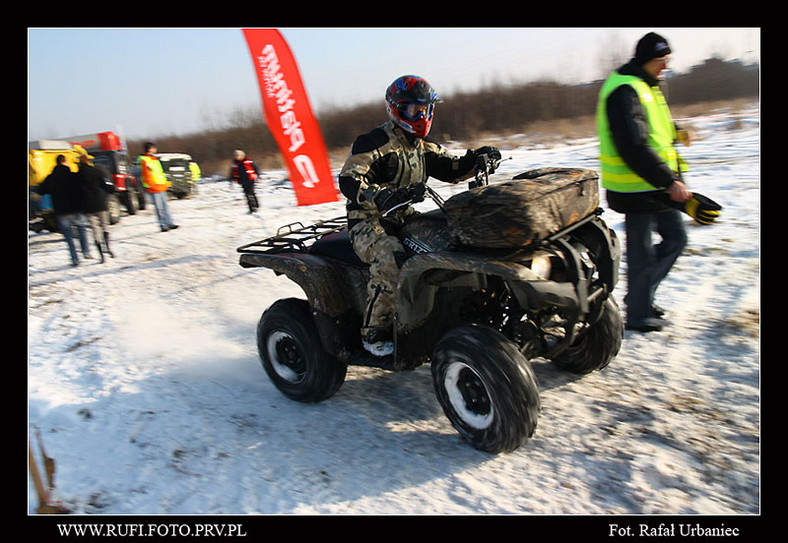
[[613, 54]]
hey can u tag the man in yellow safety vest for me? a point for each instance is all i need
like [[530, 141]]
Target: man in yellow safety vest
[[641, 172], [156, 184]]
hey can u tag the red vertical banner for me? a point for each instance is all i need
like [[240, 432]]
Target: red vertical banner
[[289, 117]]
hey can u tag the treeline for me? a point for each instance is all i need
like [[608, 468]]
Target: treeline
[[461, 117]]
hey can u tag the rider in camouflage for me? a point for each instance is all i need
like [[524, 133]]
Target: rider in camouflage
[[385, 172]]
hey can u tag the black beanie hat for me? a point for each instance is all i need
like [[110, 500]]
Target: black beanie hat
[[650, 46]]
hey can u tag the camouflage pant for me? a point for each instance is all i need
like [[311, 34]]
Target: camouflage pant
[[382, 252]]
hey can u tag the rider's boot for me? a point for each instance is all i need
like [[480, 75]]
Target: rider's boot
[[378, 341]]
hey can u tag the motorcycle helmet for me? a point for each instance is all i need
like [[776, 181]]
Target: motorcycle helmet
[[410, 103]]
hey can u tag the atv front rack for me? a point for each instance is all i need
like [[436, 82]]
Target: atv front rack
[[294, 237]]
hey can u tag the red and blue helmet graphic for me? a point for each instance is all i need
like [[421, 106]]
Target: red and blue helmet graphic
[[410, 102]]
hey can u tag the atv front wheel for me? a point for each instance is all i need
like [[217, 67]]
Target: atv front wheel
[[486, 388], [597, 345], [289, 347]]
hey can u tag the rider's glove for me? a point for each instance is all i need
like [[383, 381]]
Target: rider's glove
[[387, 199], [416, 192], [704, 210], [492, 152]]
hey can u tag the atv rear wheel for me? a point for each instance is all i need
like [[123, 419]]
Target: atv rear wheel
[[596, 346], [291, 353], [486, 388]]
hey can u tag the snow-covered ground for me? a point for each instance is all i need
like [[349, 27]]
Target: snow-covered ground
[[145, 384]]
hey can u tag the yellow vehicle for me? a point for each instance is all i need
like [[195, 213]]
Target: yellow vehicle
[[42, 159], [180, 173]]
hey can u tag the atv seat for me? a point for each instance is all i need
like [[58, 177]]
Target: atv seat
[[337, 245]]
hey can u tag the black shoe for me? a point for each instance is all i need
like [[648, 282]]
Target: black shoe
[[646, 325], [173, 226], [106, 243], [655, 310]]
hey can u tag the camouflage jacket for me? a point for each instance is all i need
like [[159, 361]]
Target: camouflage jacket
[[387, 157]]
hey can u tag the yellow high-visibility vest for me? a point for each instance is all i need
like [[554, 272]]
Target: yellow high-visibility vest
[[152, 173], [616, 175]]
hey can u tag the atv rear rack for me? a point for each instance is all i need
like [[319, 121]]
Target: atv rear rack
[[294, 237]]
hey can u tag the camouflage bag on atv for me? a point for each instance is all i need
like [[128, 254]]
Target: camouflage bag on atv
[[530, 207]]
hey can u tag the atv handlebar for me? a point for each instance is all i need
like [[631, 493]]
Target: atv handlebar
[[485, 166]]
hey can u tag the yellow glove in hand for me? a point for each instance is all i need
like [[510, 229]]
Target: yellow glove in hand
[[684, 136], [704, 210]]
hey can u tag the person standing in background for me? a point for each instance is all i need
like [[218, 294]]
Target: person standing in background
[[155, 182], [61, 184], [93, 189], [244, 172], [194, 168], [641, 172]]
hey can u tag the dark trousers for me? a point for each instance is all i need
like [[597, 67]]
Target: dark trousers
[[648, 263], [251, 197]]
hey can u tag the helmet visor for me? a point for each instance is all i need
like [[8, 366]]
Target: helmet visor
[[414, 112]]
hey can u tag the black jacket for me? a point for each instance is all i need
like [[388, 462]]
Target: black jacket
[[93, 189], [61, 184], [629, 128]]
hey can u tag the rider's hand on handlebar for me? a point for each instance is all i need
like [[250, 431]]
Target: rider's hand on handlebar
[[416, 192], [492, 152], [387, 199]]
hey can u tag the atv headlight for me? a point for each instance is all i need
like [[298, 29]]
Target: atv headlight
[[541, 266]]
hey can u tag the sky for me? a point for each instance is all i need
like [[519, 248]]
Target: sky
[[153, 82]]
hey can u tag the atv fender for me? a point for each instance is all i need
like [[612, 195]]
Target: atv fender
[[320, 280], [424, 274]]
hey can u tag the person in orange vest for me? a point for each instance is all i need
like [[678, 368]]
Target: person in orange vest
[[245, 173], [155, 182]]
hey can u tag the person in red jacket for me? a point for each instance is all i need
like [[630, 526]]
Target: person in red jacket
[[245, 173]]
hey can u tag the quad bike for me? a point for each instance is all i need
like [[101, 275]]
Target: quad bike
[[477, 315]]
